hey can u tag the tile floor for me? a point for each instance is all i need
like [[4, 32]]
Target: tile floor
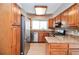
[[37, 49]]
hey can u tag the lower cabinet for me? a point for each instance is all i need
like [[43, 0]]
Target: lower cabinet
[[74, 51], [15, 48], [41, 36], [62, 49], [57, 49]]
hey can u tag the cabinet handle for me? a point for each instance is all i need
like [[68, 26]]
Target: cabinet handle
[[15, 25]]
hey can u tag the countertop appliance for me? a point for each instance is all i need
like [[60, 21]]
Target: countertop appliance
[[59, 28], [60, 31]]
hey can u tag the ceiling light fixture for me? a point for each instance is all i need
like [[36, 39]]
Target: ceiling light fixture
[[40, 10]]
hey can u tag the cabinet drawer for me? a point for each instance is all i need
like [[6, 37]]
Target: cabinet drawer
[[74, 51], [74, 45], [58, 52], [59, 45]]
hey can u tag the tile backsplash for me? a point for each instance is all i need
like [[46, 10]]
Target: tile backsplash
[[72, 32]]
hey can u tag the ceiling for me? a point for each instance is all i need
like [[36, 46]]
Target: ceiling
[[53, 8]]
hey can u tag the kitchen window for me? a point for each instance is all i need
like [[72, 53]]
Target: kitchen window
[[39, 24]]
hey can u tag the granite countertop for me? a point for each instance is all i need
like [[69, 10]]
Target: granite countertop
[[63, 39]]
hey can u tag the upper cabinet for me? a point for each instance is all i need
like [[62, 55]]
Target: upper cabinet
[[64, 16], [77, 15], [50, 23], [69, 16], [58, 17], [72, 15], [53, 20], [16, 15]]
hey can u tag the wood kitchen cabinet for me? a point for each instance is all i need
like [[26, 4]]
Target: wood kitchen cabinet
[[57, 18], [41, 36], [5, 29], [74, 49], [16, 29], [50, 23], [77, 15], [64, 16], [10, 29], [72, 15], [16, 40], [63, 48], [16, 15], [57, 49]]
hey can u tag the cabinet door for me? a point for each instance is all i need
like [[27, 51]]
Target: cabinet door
[[16, 40], [5, 31], [58, 18], [77, 15], [50, 23], [42, 37], [64, 17], [72, 16], [74, 49], [16, 15]]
